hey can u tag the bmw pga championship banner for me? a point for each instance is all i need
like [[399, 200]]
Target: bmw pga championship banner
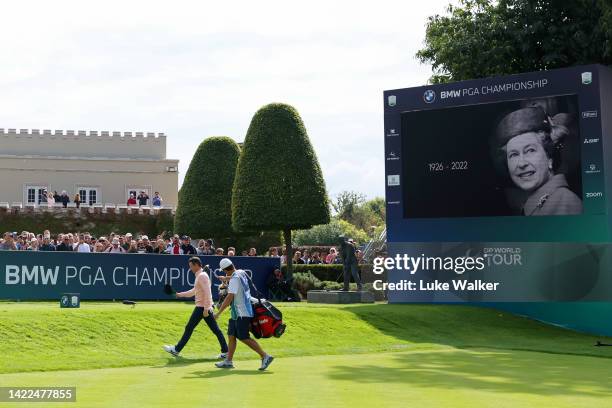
[[48, 275]]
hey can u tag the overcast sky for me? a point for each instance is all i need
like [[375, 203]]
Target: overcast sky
[[198, 69]]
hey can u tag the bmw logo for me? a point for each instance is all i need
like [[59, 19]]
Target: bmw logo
[[429, 96]]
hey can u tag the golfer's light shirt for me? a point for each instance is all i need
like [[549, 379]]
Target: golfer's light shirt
[[201, 291], [239, 287]]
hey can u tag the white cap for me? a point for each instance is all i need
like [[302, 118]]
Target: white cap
[[144, 237], [225, 263]]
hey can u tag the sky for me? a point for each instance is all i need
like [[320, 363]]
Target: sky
[[195, 69]]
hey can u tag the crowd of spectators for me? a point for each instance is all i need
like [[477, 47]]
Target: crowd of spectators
[[114, 243], [127, 243], [51, 198]]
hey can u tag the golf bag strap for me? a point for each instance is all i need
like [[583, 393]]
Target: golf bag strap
[[259, 294]]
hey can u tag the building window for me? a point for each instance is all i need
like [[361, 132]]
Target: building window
[[89, 195], [34, 194], [129, 190]]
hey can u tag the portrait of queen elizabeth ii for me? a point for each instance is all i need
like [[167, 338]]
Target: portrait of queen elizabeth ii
[[528, 140]]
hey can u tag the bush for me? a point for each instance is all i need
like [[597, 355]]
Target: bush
[[279, 183], [327, 234], [322, 271], [205, 199], [305, 281]]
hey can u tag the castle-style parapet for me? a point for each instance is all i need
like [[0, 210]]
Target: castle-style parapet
[[82, 143]]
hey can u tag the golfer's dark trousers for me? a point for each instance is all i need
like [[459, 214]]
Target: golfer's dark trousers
[[193, 322], [354, 270]]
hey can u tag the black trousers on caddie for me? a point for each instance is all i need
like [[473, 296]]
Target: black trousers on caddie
[[193, 322]]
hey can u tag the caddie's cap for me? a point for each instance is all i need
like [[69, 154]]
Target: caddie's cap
[[532, 119], [225, 263]]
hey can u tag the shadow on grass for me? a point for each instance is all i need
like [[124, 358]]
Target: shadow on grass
[[508, 372], [469, 327], [223, 372], [181, 362]]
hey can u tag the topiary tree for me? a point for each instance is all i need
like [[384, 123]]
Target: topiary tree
[[279, 184], [204, 202]]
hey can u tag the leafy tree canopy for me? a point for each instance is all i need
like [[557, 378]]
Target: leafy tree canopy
[[482, 38]]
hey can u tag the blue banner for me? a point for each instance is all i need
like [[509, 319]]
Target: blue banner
[[46, 275]]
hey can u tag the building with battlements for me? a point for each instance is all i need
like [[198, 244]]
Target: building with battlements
[[102, 167]]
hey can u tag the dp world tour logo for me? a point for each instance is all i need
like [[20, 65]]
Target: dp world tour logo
[[429, 96]]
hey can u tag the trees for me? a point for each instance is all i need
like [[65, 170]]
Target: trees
[[481, 38], [279, 184], [204, 207]]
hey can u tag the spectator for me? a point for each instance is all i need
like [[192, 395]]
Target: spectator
[[143, 198], [306, 257], [175, 246], [231, 249], [64, 199], [33, 245], [115, 248], [160, 248], [244, 253], [280, 288], [133, 249], [157, 200], [77, 200], [359, 255], [331, 257], [127, 242], [208, 248], [131, 200], [47, 246], [99, 247], [82, 246], [43, 196], [274, 252], [64, 244], [50, 199], [219, 251], [56, 196], [252, 252], [9, 242], [187, 248], [200, 247], [316, 258], [297, 258], [231, 253], [284, 256], [146, 246]]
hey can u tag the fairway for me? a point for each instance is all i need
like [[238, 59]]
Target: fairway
[[358, 356]]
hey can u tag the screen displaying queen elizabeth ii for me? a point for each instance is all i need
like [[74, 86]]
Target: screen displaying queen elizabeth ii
[[511, 158]]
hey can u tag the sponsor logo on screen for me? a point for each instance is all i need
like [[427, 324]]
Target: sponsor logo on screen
[[392, 156], [429, 96], [393, 180], [589, 114], [592, 169], [392, 133], [595, 194], [393, 202], [587, 78], [590, 141], [392, 100]]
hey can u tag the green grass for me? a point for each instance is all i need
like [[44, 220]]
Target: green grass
[[363, 355]]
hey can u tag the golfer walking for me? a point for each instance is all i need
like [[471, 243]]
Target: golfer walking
[[239, 300], [203, 309]]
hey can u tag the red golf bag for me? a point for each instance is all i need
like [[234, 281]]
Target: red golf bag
[[267, 320]]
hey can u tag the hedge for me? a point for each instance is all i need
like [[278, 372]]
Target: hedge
[[204, 205], [279, 183], [324, 272]]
